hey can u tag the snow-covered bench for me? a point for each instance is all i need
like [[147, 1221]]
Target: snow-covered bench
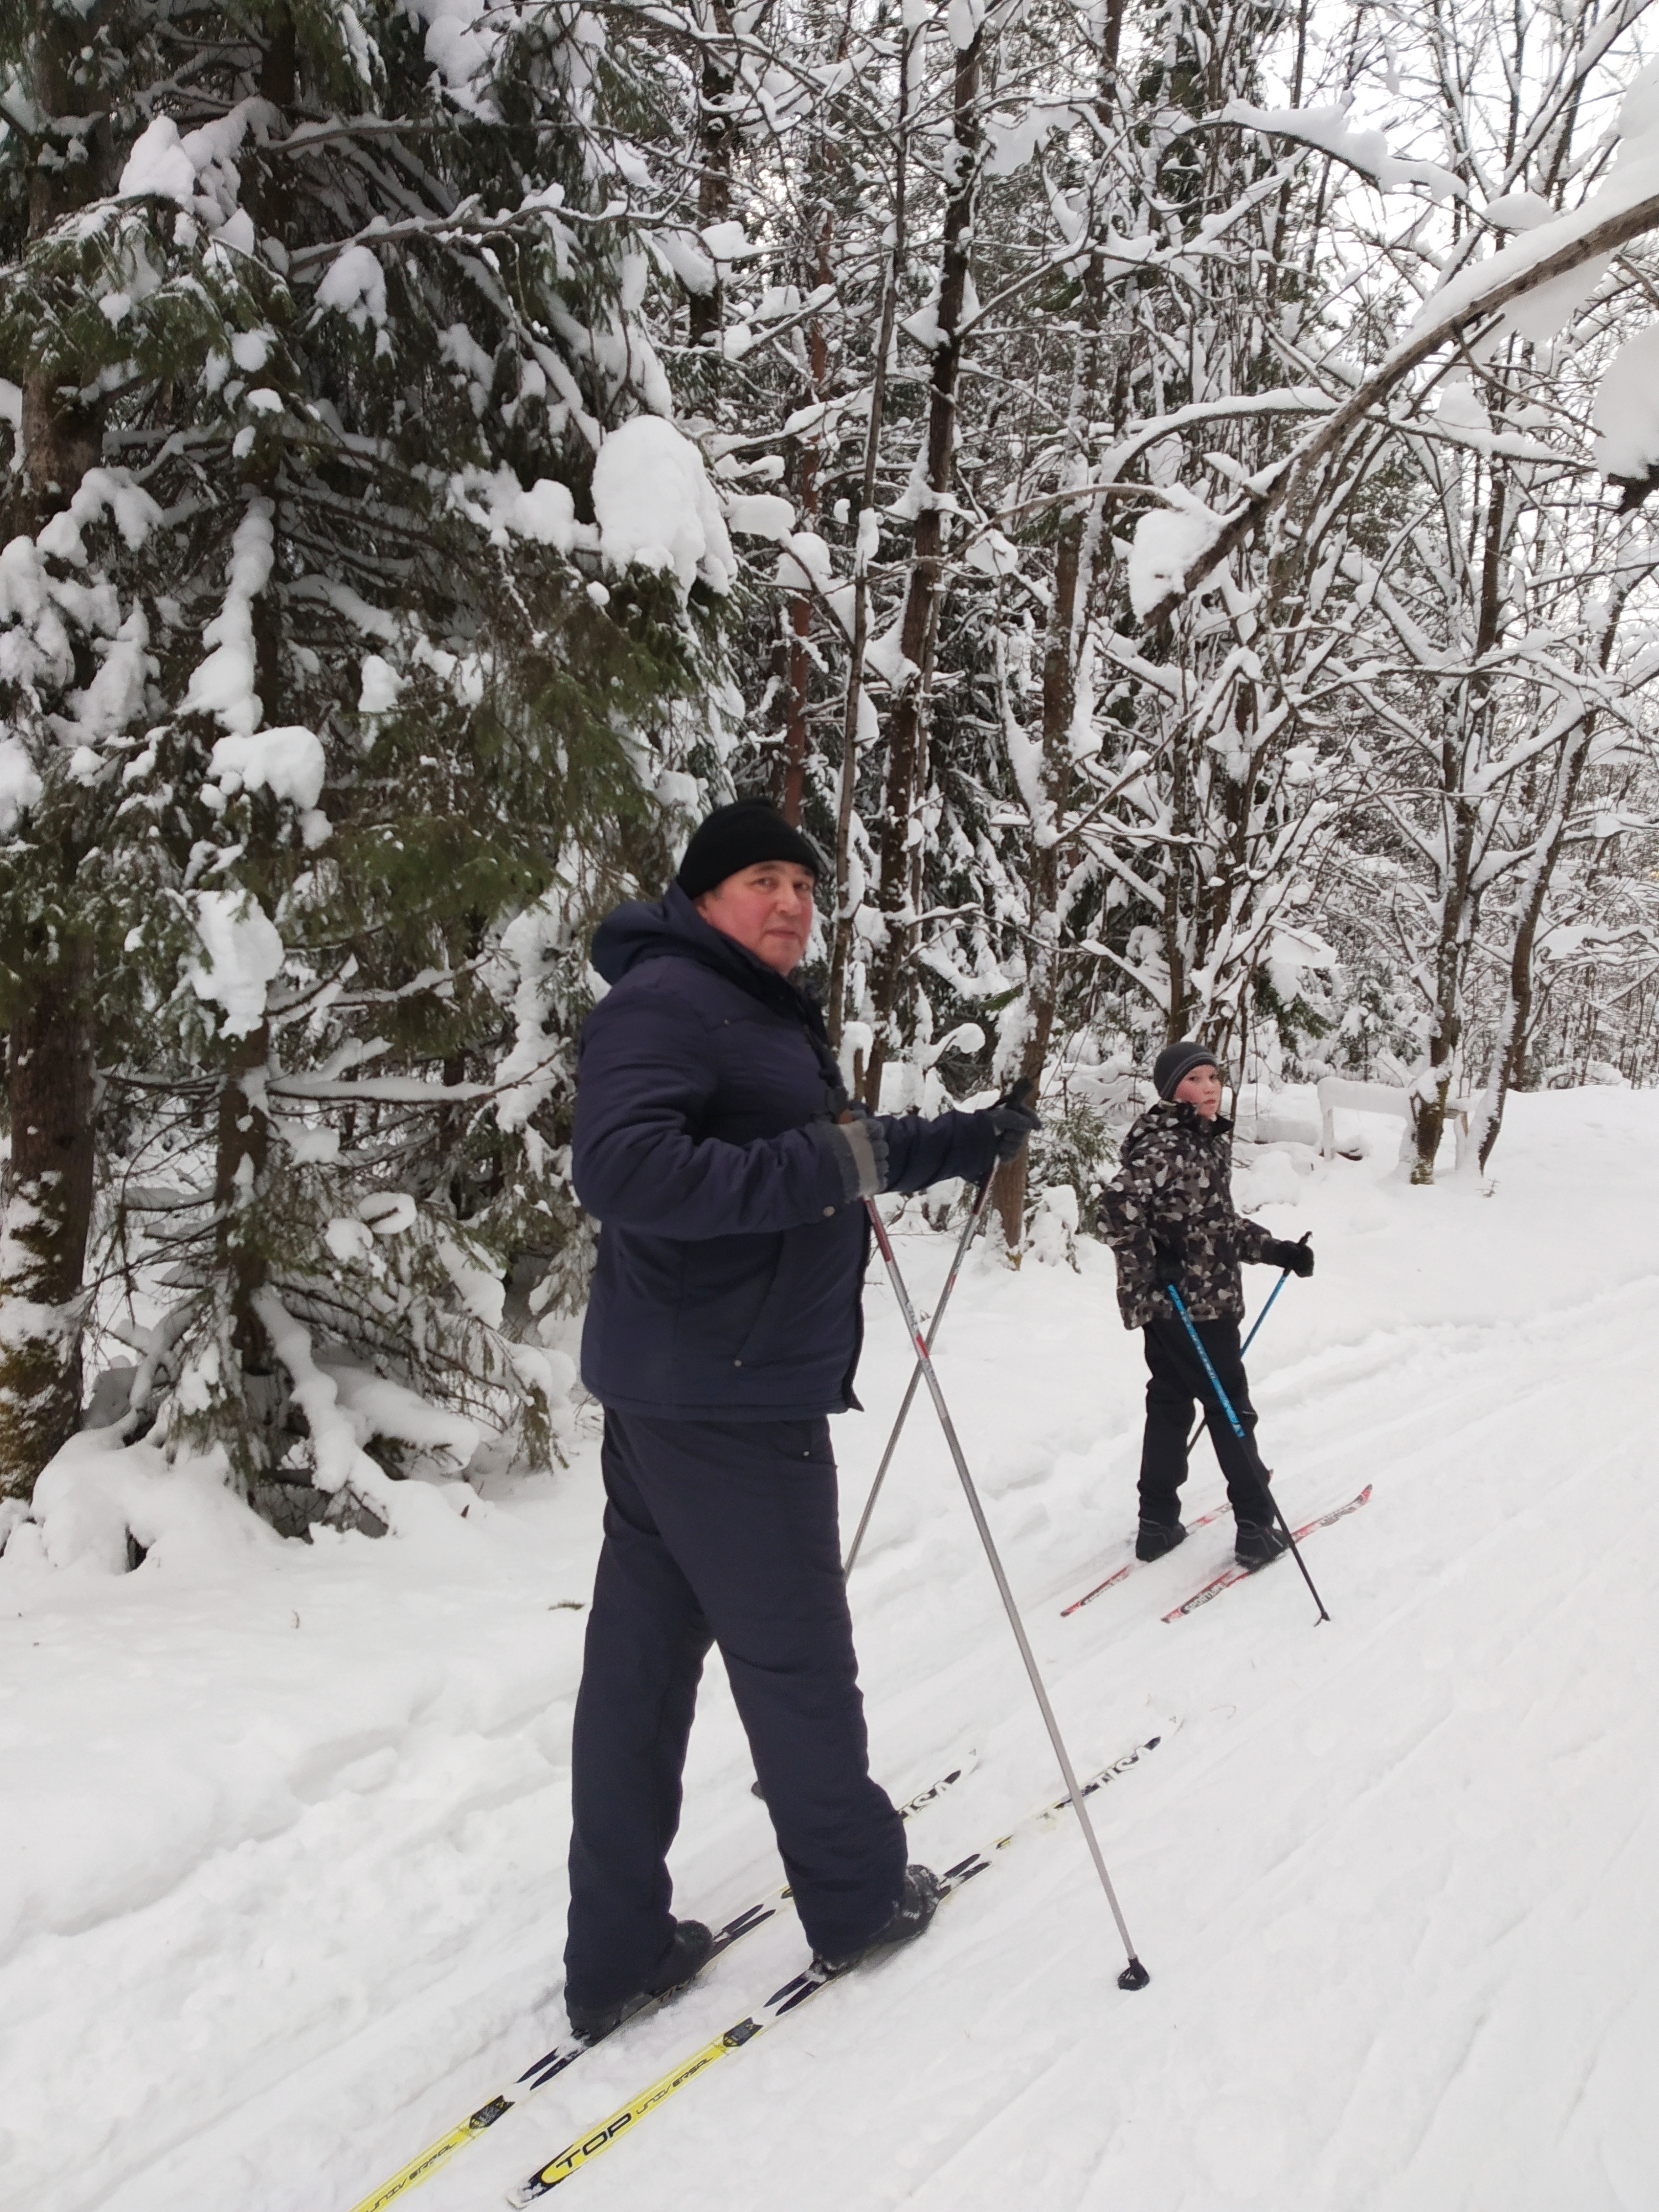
[[1336, 1090]]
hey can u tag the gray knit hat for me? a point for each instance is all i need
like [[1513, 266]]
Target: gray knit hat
[[1177, 1061]]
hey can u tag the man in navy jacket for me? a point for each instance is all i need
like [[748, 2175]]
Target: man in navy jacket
[[714, 1143]]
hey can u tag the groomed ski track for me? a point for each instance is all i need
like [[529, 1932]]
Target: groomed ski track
[[1392, 1877]]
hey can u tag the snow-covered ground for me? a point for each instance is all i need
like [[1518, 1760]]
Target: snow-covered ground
[[282, 1891]]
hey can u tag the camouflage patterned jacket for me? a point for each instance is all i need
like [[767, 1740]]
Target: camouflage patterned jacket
[[1173, 1190]]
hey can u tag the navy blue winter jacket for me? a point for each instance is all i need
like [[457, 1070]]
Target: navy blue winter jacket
[[731, 1262]]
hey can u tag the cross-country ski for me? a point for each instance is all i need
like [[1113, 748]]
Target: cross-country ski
[[1229, 1576], [565, 2053], [788, 1999], [1118, 1574]]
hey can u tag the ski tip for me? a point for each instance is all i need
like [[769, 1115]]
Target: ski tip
[[1133, 1976]]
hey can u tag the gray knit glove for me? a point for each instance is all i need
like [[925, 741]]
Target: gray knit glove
[[859, 1145]]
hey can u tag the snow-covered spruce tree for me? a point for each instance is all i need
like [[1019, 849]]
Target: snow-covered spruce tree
[[350, 663]]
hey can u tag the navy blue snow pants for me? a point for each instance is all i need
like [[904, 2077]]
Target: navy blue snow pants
[[720, 1532], [1176, 1379]]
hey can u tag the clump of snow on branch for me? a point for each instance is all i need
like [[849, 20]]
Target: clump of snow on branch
[[286, 762], [223, 683], [1327, 128], [1166, 544], [656, 506], [1627, 408], [243, 955]]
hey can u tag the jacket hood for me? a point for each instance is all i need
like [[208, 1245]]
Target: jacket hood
[[640, 931]]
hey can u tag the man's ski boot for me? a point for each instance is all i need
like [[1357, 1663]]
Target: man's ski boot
[[1154, 1538], [689, 1955], [918, 1902], [1258, 1546]]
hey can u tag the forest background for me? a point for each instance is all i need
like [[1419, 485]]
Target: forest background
[[1155, 490]]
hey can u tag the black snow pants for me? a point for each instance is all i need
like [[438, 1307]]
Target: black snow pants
[[1176, 1380], [720, 1532]]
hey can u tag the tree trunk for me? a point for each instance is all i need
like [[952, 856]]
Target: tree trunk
[[47, 1207], [1074, 561], [1458, 899], [718, 134], [906, 780], [240, 1153], [1516, 1032], [791, 785], [1059, 704], [853, 713], [1455, 921], [43, 1229]]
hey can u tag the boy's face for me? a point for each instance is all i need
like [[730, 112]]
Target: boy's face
[[1201, 1087]]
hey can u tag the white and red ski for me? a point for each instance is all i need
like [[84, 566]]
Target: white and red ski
[[1229, 1576], [1112, 1581]]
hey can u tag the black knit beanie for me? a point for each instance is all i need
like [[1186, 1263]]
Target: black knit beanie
[[1177, 1061], [740, 836]]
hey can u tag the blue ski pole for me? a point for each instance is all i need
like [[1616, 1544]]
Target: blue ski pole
[[1283, 1277], [1237, 1428]]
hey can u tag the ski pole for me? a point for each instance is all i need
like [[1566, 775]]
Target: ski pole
[[1134, 1975], [1283, 1277], [1018, 1095], [1237, 1428], [963, 1243]]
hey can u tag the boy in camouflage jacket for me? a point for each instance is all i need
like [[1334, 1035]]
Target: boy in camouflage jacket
[[1169, 1217]]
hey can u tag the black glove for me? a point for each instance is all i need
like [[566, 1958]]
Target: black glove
[[1168, 1261], [1294, 1259], [1011, 1119]]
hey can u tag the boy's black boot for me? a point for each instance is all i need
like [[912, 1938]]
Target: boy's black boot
[[692, 1947], [1154, 1538], [919, 1901], [1257, 1546]]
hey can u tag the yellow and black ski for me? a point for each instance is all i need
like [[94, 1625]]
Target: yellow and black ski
[[793, 1994], [565, 2053]]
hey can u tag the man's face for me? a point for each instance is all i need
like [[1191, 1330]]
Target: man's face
[[767, 909], [1201, 1087]]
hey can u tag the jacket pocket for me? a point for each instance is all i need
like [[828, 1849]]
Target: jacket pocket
[[729, 1281], [812, 1302]]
